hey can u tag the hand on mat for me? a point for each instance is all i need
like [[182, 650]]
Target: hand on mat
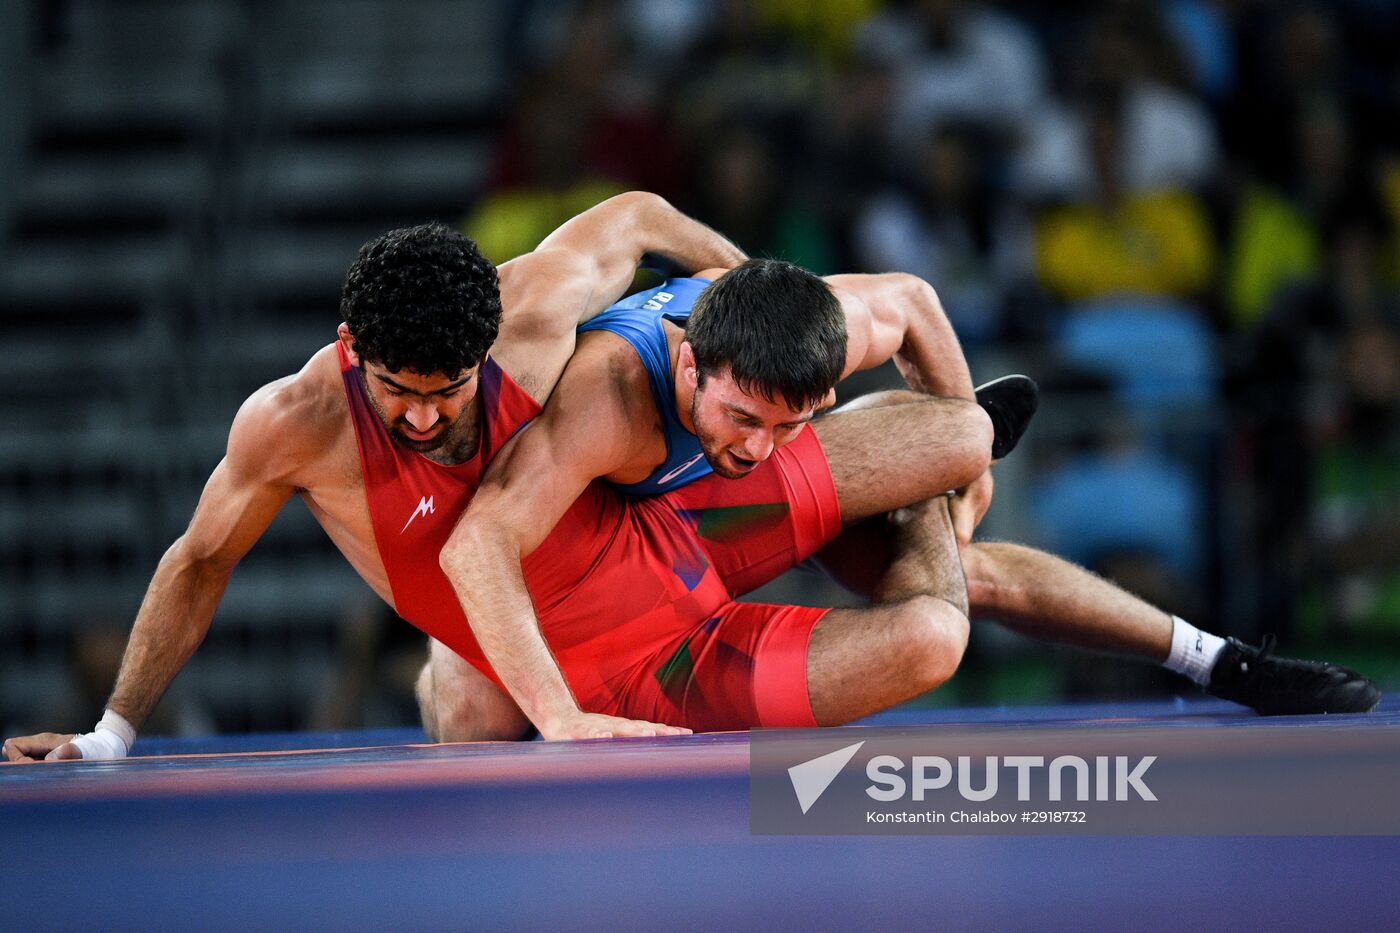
[[581, 725], [50, 746], [968, 507]]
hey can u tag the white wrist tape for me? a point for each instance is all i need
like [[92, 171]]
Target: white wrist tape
[[112, 737]]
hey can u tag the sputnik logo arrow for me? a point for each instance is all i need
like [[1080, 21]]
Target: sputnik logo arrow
[[811, 778]]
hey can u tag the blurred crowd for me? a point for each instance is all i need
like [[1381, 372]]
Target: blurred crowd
[[1198, 197], [1182, 217]]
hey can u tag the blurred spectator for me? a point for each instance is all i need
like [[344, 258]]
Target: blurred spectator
[[1290, 54], [1116, 501], [1356, 485], [826, 28], [1111, 503], [745, 65], [849, 151], [957, 61], [1202, 30], [744, 192], [1302, 402], [577, 137], [1278, 236], [663, 30], [1167, 138], [1124, 239], [950, 228]]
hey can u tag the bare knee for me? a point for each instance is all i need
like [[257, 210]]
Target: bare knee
[[459, 704], [427, 706], [934, 632], [992, 580], [976, 436]]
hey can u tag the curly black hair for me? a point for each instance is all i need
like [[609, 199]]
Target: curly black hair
[[422, 299]]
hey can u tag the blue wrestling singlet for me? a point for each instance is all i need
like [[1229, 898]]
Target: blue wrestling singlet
[[637, 319]]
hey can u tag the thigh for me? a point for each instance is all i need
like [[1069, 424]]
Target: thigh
[[753, 529], [887, 456], [744, 667]]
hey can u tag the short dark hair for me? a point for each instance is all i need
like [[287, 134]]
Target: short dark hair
[[778, 328], [422, 299]]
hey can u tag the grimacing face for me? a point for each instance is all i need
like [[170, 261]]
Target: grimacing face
[[738, 430], [422, 413]]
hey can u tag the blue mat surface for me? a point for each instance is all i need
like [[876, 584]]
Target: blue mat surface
[[1172, 712], [368, 831]]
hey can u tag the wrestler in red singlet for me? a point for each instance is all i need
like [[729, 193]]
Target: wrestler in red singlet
[[414, 502], [634, 596]]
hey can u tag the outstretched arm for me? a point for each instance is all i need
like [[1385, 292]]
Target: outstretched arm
[[899, 316], [239, 502], [582, 268], [585, 432]]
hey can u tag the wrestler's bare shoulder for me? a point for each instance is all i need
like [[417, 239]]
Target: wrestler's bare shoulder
[[293, 430], [606, 391], [607, 368]]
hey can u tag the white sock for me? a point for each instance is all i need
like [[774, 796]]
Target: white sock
[[1193, 651]]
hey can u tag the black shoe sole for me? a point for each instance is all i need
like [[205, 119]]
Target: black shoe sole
[[1010, 402]]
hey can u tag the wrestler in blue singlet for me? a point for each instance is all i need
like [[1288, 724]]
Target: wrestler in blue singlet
[[637, 319]]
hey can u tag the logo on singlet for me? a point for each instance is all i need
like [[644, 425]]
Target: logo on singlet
[[679, 470], [425, 507]]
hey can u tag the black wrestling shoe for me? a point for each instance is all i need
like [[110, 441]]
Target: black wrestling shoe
[[1010, 402], [1283, 686]]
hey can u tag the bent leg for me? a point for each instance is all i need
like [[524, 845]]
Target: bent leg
[[459, 704], [744, 665], [1046, 597], [901, 448], [1031, 592], [861, 661], [874, 455]]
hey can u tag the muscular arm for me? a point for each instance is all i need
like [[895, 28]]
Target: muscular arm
[[582, 268], [587, 431], [235, 509], [899, 316], [239, 501]]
